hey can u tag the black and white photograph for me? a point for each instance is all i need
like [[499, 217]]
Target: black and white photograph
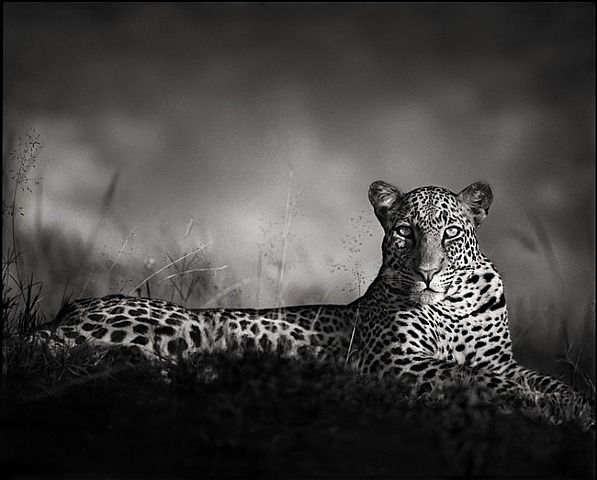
[[298, 240]]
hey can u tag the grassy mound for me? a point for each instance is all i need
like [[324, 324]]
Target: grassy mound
[[94, 412]]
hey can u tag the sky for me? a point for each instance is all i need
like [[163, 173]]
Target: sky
[[166, 127]]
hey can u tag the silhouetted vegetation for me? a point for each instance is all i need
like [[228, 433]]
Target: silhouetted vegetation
[[90, 412]]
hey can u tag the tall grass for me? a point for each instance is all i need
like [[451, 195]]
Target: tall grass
[[276, 243], [21, 292], [361, 229], [551, 333]]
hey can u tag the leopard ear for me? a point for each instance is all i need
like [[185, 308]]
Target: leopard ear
[[477, 199], [384, 197]]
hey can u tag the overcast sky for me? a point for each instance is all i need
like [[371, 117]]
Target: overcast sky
[[202, 111]]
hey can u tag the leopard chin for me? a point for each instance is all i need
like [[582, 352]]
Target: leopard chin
[[428, 297]]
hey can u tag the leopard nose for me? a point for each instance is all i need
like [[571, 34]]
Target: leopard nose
[[428, 273]]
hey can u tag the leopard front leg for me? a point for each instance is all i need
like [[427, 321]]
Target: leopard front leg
[[545, 385], [538, 381], [428, 373]]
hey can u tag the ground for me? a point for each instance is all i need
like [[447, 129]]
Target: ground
[[262, 416]]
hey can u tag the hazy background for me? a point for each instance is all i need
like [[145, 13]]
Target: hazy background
[[168, 126]]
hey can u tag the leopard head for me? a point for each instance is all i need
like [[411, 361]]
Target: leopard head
[[430, 236]]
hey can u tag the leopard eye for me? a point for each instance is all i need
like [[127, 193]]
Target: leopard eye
[[404, 231], [451, 232]]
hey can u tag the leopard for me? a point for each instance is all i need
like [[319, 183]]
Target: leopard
[[435, 311]]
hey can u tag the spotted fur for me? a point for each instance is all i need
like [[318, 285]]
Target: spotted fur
[[435, 310], [163, 329]]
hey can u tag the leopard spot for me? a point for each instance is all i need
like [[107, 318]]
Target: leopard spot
[[139, 340], [297, 335], [195, 335], [122, 324], [265, 343], [164, 330], [117, 336], [100, 332], [177, 346], [140, 328], [117, 318]]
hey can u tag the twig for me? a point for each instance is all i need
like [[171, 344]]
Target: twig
[[165, 267], [232, 287], [212, 269], [285, 232]]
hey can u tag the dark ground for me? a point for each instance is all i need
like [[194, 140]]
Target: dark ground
[[267, 417]]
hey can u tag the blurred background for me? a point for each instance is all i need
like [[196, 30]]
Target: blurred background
[[246, 135]]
